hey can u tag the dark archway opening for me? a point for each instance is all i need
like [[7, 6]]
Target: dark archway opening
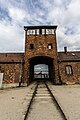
[[41, 68]]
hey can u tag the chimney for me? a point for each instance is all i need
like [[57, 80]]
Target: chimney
[[65, 50]]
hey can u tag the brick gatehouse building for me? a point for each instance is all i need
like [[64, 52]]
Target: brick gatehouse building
[[40, 49]]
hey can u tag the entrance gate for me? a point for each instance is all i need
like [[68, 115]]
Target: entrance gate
[[41, 67], [40, 49]]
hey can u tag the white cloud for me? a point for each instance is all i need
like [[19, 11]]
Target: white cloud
[[72, 15], [64, 13], [68, 19], [41, 67], [46, 3], [10, 38], [17, 14]]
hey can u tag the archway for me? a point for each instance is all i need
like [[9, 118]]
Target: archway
[[41, 71], [41, 67]]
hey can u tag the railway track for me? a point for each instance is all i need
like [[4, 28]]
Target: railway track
[[43, 105]]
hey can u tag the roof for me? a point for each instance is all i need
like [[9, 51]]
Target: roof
[[73, 56], [39, 27], [69, 56], [11, 57]]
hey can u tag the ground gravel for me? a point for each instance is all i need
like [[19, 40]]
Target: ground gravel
[[13, 102], [69, 99]]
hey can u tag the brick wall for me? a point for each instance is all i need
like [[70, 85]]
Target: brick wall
[[12, 73], [11, 67], [11, 57], [40, 46], [40, 43], [70, 79]]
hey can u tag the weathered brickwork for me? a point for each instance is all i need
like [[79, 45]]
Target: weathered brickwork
[[11, 57], [11, 65], [74, 77], [11, 73], [40, 48], [71, 60]]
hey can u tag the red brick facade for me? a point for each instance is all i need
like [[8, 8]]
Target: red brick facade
[[74, 77], [40, 48], [11, 65], [71, 59]]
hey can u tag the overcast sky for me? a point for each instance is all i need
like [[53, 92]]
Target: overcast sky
[[41, 68], [15, 14]]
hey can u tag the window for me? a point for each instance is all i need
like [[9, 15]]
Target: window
[[31, 32], [43, 31], [37, 31], [69, 70], [50, 46], [31, 46], [48, 31], [52, 31]]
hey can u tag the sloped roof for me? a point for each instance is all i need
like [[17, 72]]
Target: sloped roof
[[19, 57], [69, 56], [11, 57]]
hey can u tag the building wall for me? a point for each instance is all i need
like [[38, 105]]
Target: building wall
[[11, 57], [40, 44], [74, 77], [11, 65], [11, 73]]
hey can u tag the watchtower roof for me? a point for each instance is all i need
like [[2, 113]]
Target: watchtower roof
[[39, 27]]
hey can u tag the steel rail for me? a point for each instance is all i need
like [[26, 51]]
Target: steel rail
[[30, 103], [56, 103]]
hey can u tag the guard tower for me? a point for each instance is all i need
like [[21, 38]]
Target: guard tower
[[40, 48]]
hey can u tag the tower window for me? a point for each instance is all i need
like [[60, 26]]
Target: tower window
[[43, 31], [68, 69], [50, 46], [48, 31], [31, 46], [31, 32], [37, 31]]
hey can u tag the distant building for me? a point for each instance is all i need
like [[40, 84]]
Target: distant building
[[40, 48]]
